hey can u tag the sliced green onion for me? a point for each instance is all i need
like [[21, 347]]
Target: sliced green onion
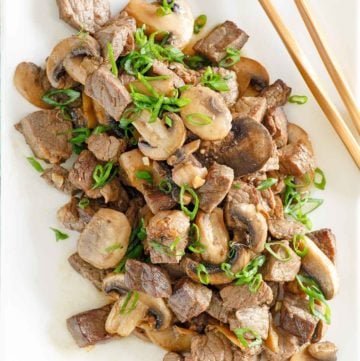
[[165, 186], [203, 274], [196, 246], [232, 57], [300, 245], [226, 268], [113, 248], [191, 214], [100, 129], [298, 99], [198, 119], [71, 94], [35, 164], [168, 121], [103, 174], [167, 250], [144, 175], [200, 22], [246, 275], [236, 185], [166, 8], [59, 236], [174, 244], [114, 68], [321, 183], [80, 136], [84, 203], [282, 246], [268, 183], [241, 335], [214, 80], [255, 283], [127, 308]]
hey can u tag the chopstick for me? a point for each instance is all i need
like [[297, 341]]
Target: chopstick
[[334, 72], [319, 94]]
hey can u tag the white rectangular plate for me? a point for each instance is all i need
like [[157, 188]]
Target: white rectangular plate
[[39, 290]]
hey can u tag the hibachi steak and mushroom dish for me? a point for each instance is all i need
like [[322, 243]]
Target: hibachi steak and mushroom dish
[[190, 187]]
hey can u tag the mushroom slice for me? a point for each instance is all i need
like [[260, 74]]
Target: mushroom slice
[[179, 23], [244, 217], [184, 153], [214, 236], [296, 134], [73, 46], [114, 285], [319, 266], [209, 107], [240, 258], [79, 68], [302, 355], [31, 82], [105, 239], [323, 351], [159, 142], [189, 172]]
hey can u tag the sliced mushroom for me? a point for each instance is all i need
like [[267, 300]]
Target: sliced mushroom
[[114, 285], [243, 217], [73, 46], [180, 23], [240, 258], [189, 172], [250, 73], [105, 239], [89, 112], [214, 236], [246, 149], [209, 104], [302, 355], [79, 67], [31, 82], [158, 141], [163, 87], [296, 134], [184, 153], [324, 351]]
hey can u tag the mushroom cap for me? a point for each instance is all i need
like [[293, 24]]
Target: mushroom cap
[[180, 23], [74, 46], [106, 230], [296, 134], [157, 141], [209, 103], [323, 351]]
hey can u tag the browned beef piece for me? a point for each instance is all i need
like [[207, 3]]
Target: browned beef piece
[[296, 159], [91, 273], [172, 356], [156, 200], [166, 229], [174, 270], [240, 296], [276, 123], [132, 213], [242, 192], [285, 228], [189, 76], [106, 147], [189, 299], [120, 34], [81, 174], [111, 191], [161, 68], [89, 15], [256, 318], [326, 241], [88, 328], [273, 162], [57, 177], [276, 94], [217, 309], [108, 90], [250, 107], [230, 97], [296, 318], [122, 203], [47, 134], [147, 278], [224, 36], [69, 217], [217, 185], [280, 271]]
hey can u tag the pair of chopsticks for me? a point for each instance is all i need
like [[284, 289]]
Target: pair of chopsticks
[[298, 57]]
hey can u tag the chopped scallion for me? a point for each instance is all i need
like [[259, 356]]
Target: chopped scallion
[[114, 68], [198, 119], [59, 236], [144, 175], [298, 99], [35, 164], [200, 22], [203, 274], [186, 189], [244, 334], [268, 183], [282, 248]]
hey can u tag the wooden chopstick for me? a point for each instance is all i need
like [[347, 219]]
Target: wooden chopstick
[[334, 72], [319, 94]]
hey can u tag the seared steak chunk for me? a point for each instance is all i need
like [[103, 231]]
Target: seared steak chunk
[[285, 228], [217, 185], [217, 309], [48, 135], [102, 86], [88, 328], [88, 15], [326, 241], [189, 76], [238, 297], [106, 148], [276, 94], [223, 37], [69, 217], [147, 278], [91, 273], [296, 159], [189, 299], [57, 177], [160, 68], [242, 192], [156, 200], [250, 107], [296, 318], [276, 123]]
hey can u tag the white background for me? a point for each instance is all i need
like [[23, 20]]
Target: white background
[[39, 290]]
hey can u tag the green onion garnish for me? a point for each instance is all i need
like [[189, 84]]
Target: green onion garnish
[[35, 164], [255, 283], [242, 332], [59, 236], [80, 136], [125, 310], [167, 250], [196, 246], [166, 8], [282, 246], [168, 121], [71, 94], [321, 183], [113, 248], [198, 119], [190, 214], [232, 57], [103, 174], [203, 274], [226, 268], [268, 183], [83, 203], [165, 186], [236, 185], [200, 22], [214, 81], [300, 245], [247, 274], [144, 175], [298, 99], [114, 68], [100, 129]]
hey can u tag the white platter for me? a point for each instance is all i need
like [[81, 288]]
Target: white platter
[[39, 290]]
